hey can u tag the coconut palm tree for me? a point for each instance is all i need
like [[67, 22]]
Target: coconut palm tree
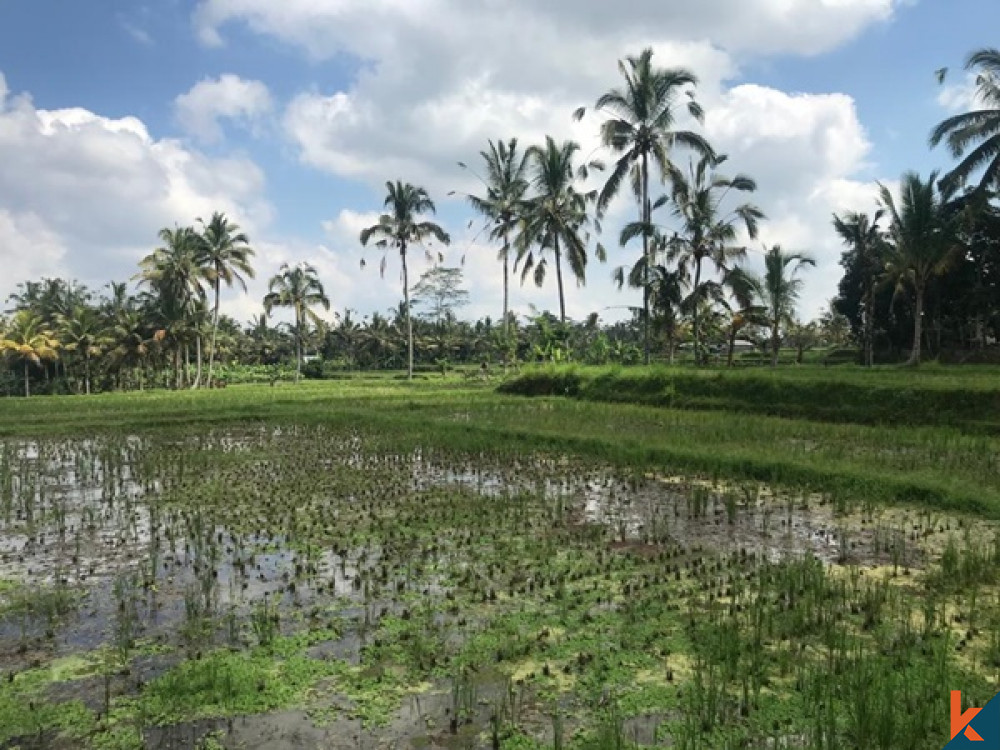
[[224, 252], [299, 288], [85, 332], [399, 229], [863, 235], [780, 290], [747, 308], [555, 217], [981, 127], [503, 203], [175, 276], [708, 230], [922, 240], [640, 131], [28, 341], [132, 341]]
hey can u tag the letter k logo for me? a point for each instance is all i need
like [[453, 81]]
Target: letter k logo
[[960, 721]]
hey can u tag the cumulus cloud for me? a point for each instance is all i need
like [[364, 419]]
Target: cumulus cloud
[[962, 96], [369, 28], [433, 80], [230, 97], [83, 195], [439, 78]]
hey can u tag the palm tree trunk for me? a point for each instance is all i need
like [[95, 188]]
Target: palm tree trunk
[[409, 320], [695, 328], [27, 382], [86, 373], [559, 281], [215, 331], [732, 346], [506, 284], [670, 347], [197, 377], [869, 324], [775, 341], [918, 315], [644, 217], [298, 344]]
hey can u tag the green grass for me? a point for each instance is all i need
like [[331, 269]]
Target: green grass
[[963, 398]]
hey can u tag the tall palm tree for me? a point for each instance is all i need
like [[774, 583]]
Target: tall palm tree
[[27, 340], [864, 236], [640, 130], [299, 288], [922, 239], [174, 274], [780, 291], [747, 309], [555, 216], [708, 230], [503, 204], [400, 228], [981, 126], [85, 332], [225, 253]]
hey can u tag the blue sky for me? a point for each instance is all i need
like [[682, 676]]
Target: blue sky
[[111, 111]]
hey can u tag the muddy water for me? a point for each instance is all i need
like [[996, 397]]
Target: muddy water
[[87, 518]]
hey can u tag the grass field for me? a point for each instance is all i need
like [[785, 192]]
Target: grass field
[[437, 564]]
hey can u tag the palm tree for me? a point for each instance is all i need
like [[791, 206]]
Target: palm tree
[[555, 216], [980, 126], [666, 289], [922, 240], [225, 253], [780, 291], [28, 340], [299, 288], [175, 274], [503, 203], [84, 331], [639, 130], [131, 341], [748, 310], [708, 231], [864, 236], [399, 229]]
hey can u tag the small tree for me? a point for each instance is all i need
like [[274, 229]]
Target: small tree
[[29, 342], [439, 290]]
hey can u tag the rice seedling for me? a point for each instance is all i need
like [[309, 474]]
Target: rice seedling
[[531, 590]]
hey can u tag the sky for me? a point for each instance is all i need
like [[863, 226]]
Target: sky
[[121, 117]]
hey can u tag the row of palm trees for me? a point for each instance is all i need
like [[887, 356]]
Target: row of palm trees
[[540, 211], [537, 208], [910, 240]]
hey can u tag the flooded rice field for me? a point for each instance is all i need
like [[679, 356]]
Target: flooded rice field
[[303, 588]]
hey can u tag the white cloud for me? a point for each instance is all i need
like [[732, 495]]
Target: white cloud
[[432, 94], [436, 79], [227, 97], [83, 196], [961, 97], [370, 28]]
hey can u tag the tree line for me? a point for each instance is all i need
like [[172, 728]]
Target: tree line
[[933, 249]]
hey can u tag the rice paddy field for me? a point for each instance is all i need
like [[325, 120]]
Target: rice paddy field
[[377, 564]]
